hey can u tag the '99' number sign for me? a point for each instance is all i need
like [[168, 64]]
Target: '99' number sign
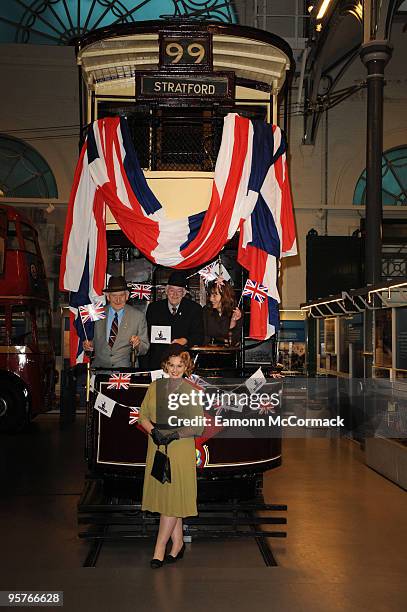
[[191, 52]]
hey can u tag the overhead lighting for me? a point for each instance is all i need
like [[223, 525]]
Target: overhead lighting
[[388, 289], [318, 27], [323, 8], [310, 8], [309, 306]]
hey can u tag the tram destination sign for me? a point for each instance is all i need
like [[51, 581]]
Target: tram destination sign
[[159, 85]]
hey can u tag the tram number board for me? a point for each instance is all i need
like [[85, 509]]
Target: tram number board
[[185, 52], [215, 86]]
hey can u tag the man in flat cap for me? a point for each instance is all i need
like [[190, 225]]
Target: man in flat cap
[[183, 315], [123, 328]]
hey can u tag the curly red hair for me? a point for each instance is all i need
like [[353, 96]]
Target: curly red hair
[[176, 350]]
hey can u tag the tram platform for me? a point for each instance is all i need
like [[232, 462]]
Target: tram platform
[[345, 547]]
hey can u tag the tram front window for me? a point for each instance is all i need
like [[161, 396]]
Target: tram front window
[[21, 326]]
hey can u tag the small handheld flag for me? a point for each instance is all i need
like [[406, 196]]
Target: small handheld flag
[[92, 312], [141, 292], [208, 273], [255, 291]]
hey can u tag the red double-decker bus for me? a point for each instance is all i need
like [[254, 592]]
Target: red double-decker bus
[[27, 357]]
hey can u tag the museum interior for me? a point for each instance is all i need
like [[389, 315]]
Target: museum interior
[[216, 186]]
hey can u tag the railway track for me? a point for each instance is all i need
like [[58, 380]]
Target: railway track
[[116, 519]]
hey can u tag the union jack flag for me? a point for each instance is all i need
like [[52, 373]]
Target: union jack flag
[[255, 290], [133, 416], [208, 273], [92, 312], [250, 191], [119, 381], [142, 292]]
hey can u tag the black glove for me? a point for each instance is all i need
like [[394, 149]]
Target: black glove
[[158, 437], [171, 437]]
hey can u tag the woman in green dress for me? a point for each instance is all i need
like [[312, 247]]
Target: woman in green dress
[[177, 499]]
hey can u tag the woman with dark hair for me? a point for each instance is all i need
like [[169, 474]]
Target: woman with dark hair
[[176, 499], [222, 319]]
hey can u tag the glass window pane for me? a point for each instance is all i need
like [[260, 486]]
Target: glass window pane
[[3, 223], [12, 238], [21, 325], [383, 338], [3, 335], [23, 171], [2, 251], [42, 319], [29, 238], [388, 200], [394, 179], [359, 196], [389, 182]]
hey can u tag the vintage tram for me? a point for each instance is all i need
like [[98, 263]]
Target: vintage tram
[[27, 359], [174, 82]]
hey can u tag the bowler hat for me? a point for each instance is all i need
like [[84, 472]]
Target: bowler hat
[[116, 283], [178, 279]]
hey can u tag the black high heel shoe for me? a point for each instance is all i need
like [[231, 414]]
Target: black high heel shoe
[[156, 563], [172, 559]]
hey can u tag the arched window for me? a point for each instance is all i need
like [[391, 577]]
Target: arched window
[[58, 22], [394, 179], [24, 173]]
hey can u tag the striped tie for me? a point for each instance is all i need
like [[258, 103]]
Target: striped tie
[[113, 330]]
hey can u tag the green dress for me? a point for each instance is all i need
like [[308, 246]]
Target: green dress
[[177, 498]]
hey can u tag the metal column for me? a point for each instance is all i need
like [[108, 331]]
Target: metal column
[[375, 55]]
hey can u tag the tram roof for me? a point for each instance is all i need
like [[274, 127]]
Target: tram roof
[[259, 59]]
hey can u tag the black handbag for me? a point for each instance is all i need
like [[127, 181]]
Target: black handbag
[[161, 469]]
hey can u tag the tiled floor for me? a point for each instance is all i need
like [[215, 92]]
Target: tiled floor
[[346, 547]]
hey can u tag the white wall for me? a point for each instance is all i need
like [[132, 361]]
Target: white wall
[[39, 89]]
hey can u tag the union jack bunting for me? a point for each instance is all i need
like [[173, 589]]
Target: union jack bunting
[[133, 416], [250, 192], [141, 292], [119, 381], [266, 408], [255, 291], [92, 312], [196, 380]]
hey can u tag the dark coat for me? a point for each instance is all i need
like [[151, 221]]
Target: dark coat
[[217, 327], [187, 323]]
